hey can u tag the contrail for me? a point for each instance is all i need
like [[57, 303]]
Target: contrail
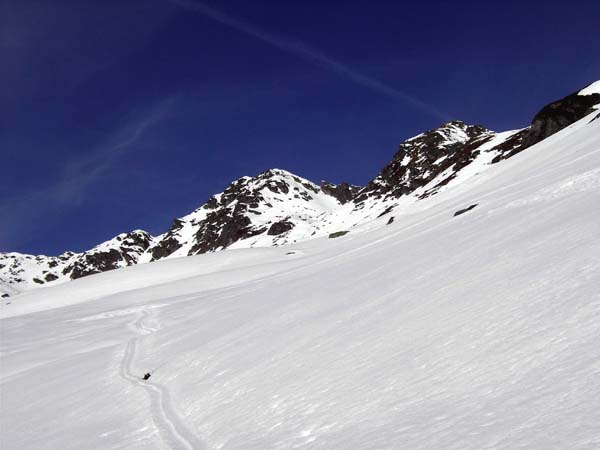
[[311, 55], [22, 213]]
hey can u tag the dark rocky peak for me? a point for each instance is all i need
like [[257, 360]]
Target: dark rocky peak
[[250, 192], [551, 119], [422, 158], [560, 114], [248, 207], [235, 216]]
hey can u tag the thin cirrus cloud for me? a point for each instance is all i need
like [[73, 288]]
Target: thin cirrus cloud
[[311, 55], [21, 213]]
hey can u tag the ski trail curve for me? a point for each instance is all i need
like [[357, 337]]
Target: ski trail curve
[[170, 426]]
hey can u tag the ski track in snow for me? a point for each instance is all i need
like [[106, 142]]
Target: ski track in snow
[[170, 426]]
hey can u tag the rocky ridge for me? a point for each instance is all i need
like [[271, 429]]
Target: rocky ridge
[[277, 207], [19, 271]]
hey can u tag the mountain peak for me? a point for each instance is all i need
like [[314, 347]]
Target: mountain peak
[[274, 172], [422, 158], [263, 209]]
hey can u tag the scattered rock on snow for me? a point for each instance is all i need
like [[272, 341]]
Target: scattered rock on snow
[[337, 234], [280, 227], [462, 211]]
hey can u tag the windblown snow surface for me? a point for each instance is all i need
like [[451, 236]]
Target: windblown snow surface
[[475, 331]]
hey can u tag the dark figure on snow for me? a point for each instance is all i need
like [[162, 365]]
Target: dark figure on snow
[[146, 376]]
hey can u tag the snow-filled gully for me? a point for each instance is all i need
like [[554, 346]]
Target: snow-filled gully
[[169, 424]]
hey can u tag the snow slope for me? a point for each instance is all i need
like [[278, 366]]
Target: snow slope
[[476, 331]]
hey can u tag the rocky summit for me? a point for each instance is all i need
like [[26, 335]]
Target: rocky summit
[[423, 158], [277, 207]]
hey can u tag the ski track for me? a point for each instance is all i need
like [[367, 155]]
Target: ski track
[[170, 426]]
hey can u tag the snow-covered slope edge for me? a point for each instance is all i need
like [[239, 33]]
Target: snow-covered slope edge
[[469, 331], [278, 208]]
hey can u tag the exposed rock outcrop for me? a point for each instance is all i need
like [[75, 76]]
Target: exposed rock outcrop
[[342, 192], [549, 120], [421, 159], [280, 227]]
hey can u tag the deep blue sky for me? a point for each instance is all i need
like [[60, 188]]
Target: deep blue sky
[[119, 115]]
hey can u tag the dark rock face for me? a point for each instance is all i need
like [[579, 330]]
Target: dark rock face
[[166, 246], [236, 214], [227, 222], [227, 216], [96, 261], [221, 229], [139, 240], [343, 192], [280, 227], [210, 204], [551, 119], [422, 158], [511, 146], [169, 243], [558, 115]]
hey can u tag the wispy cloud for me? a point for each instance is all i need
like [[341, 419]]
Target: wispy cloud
[[311, 55], [25, 213]]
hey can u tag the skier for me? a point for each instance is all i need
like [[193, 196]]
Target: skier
[[146, 376]]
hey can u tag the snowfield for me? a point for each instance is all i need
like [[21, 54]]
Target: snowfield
[[476, 331]]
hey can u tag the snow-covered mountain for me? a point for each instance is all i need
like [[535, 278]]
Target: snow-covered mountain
[[471, 321], [273, 208], [278, 208], [23, 272]]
